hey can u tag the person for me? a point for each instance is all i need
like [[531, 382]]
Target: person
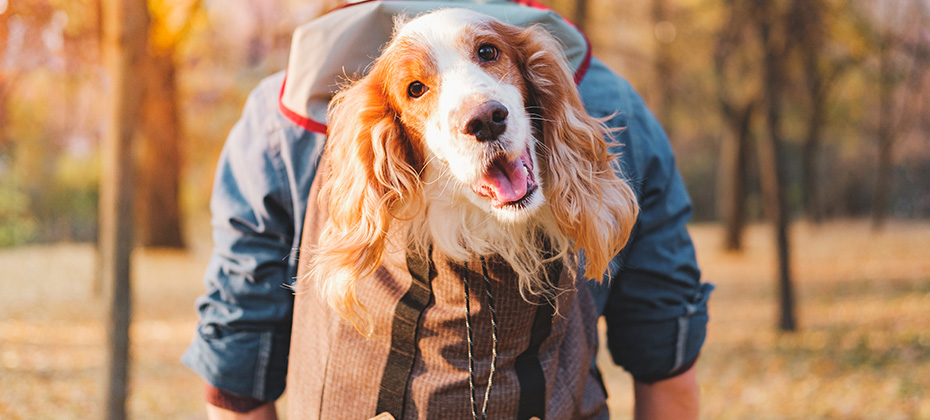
[[655, 305]]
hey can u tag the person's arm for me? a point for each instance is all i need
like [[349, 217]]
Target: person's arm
[[263, 412], [259, 196], [655, 305], [673, 398], [656, 308]]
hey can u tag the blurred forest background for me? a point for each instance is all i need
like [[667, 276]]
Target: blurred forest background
[[849, 86], [809, 115]]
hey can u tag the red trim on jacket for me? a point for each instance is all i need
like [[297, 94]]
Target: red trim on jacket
[[302, 121]]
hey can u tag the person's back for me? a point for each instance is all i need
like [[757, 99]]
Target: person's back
[[258, 220]]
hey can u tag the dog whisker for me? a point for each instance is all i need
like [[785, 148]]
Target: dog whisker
[[443, 169], [536, 117], [545, 148]]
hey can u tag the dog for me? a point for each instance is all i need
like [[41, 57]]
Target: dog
[[472, 132]]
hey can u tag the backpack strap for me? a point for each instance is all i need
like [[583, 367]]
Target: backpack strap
[[404, 336], [527, 366]]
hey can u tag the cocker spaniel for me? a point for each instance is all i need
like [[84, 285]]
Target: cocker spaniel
[[473, 131]]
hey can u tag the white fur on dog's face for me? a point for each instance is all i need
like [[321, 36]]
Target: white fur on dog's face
[[499, 174], [453, 131]]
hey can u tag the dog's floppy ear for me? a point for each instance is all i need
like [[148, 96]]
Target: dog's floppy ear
[[591, 203], [368, 177]]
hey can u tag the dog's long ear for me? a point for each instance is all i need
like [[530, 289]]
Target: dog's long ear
[[368, 176], [590, 201]]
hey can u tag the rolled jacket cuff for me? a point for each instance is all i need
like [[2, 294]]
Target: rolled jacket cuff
[[651, 379], [652, 350], [250, 364]]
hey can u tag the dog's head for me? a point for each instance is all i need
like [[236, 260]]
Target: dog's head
[[462, 110], [458, 86]]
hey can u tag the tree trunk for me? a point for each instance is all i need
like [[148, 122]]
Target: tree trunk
[[773, 191], [771, 166], [5, 89], [813, 205], [159, 165], [664, 68], [882, 187], [734, 161], [737, 115], [809, 21], [580, 18], [125, 28]]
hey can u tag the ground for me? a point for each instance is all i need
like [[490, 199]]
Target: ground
[[862, 351]]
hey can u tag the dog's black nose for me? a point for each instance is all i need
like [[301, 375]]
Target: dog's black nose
[[488, 121]]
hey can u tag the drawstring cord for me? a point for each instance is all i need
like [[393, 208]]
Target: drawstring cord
[[471, 359]]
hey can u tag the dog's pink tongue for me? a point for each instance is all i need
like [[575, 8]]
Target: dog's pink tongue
[[505, 181]]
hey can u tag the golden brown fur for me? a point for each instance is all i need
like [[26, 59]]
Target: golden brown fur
[[377, 160]]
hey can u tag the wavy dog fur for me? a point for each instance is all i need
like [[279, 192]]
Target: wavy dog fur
[[381, 169]]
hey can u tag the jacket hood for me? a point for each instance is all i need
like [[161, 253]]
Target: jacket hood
[[326, 51]]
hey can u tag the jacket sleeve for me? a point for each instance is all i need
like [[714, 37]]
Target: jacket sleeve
[[259, 196], [655, 305]]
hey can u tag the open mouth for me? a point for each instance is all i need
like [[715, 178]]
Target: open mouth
[[508, 182]]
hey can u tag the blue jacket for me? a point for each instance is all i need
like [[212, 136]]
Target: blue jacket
[[655, 305]]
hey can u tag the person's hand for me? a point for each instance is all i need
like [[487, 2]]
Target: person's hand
[[262, 412], [672, 398]]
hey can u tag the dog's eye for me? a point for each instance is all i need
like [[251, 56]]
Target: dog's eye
[[488, 52], [416, 89]]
